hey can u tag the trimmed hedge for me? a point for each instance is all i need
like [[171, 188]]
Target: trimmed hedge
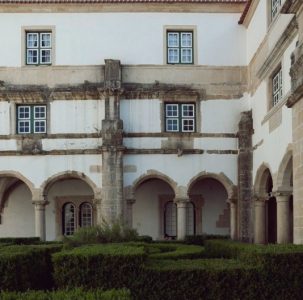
[[280, 266], [98, 266], [26, 267], [197, 279], [20, 240], [176, 251], [76, 294]]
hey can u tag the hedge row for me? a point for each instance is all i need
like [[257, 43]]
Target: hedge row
[[20, 240], [98, 266], [197, 279], [26, 267], [76, 294]]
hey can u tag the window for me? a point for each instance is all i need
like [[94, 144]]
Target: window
[[275, 8], [179, 117], [86, 215], [69, 219], [179, 47], [31, 119], [76, 215], [38, 48], [190, 219], [277, 89], [170, 219]]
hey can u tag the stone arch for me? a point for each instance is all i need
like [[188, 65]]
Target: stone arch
[[230, 188], [153, 174], [261, 178], [47, 184], [284, 176], [19, 176]]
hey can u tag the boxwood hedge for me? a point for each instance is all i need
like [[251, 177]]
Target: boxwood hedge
[[98, 266], [76, 294], [26, 267]]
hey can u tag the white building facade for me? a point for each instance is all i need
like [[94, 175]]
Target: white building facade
[[169, 115]]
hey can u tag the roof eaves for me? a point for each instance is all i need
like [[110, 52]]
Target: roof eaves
[[244, 14]]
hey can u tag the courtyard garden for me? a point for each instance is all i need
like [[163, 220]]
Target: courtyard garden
[[114, 264]]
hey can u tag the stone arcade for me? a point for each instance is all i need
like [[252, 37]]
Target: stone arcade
[[180, 117]]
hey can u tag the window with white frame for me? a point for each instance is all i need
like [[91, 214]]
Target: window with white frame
[[69, 219], [275, 8], [38, 48], [86, 215], [277, 87], [179, 47], [31, 119], [179, 117]]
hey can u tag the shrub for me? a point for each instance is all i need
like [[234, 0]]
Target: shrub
[[105, 233], [26, 267], [76, 294], [98, 266]]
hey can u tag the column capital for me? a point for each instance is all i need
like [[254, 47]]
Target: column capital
[[97, 201], [281, 193], [41, 202], [180, 200]]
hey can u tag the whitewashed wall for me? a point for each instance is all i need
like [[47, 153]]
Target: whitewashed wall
[[18, 218], [181, 169], [38, 169], [134, 38], [75, 116]]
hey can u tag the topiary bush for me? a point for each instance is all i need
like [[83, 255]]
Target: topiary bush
[[20, 240], [98, 266]]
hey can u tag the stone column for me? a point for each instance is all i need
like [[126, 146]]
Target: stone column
[[112, 145], [283, 217], [97, 204], [233, 218], [260, 228], [245, 182], [40, 227], [181, 217], [129, 207]]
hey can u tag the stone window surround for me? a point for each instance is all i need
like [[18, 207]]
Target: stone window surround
[[270, 20], [270, 104], [37, 28], [13, 118], [190, 99], [191, 28], [75, 200]]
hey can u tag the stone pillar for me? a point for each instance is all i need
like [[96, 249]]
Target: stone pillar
[[40, 227], [129, 207], [112, 145], [181, 217], [295, 101], [283, 217], [260, 221], [233, 218], [245, 182], [97, 204]]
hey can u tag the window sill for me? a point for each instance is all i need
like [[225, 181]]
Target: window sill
[[275, 108]]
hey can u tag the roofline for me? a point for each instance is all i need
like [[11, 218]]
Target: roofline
[[244, 14]]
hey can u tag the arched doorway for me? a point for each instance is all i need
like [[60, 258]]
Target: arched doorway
[[17, 214], [271, 211], [209, 197], [154, 211], [70, 205]]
